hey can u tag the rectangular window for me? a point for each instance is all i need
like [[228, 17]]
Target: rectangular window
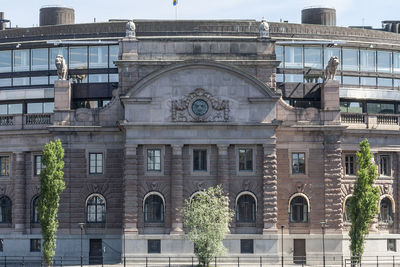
[[22, 81], [279, 55], [385, 82], [245, 159], [113, 77], [380, 108], [154, 246], [154, 159], [349, 164], [396, 62], [38, 165], [367, 60], [113, 50], [4, 165], [98, 78], [351, 107], [78, 58], [294, 78], [351, 80], [313, 57], [98, 57], [6, 82], [1, 245], [384, 61], [40, 59], [35, 245], [294, 57], [298, 163], [247, 246], [368, 81], [199, 160], [21, 60], [350, 59], [39, 80], [384, 166], [391, 245], [95, 163], [5, 61]]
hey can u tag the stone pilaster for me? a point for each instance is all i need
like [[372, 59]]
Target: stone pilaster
[[270, 179], [223, 167], [130, 215], [333, 172], [176, 190], [19, 200]]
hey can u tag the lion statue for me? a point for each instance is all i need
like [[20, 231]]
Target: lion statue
[[330, 70], [61, 67]]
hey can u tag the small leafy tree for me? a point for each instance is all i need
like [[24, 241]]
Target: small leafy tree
[[364, 202], [51, 186], [207, 217]]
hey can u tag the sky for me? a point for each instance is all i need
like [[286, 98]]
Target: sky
[[25, 13]]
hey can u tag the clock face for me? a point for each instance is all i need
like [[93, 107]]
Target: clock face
[[199, 107]]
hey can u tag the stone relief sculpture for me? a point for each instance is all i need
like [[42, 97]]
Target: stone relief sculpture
[[330, 70], [199, 106], [61, 67], [130, 29], [264, 29]]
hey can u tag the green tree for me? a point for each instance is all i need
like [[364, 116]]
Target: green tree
[[364, 202], [51, 186], [207, 217]]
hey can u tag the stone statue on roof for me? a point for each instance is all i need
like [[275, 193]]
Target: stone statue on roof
[[130, 29]]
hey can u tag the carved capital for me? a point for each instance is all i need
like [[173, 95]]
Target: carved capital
[[177, 149], [222, 149]]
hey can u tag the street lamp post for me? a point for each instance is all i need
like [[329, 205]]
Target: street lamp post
[[81, 226], [282, 226], [323, 242], [124, 248]]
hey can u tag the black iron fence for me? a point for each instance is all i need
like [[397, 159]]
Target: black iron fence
[[161, 261]]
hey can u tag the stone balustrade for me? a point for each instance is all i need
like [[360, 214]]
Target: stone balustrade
[[371, 121], [25, 121]]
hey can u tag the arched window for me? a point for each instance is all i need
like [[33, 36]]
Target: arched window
[[298, 210], [346, 210], [35, 214], [246, 208], [96, 209], [153, 209], [386, 211], [5, 210]]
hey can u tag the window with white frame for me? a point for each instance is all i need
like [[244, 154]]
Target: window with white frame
[[153, 159], [95, 163]]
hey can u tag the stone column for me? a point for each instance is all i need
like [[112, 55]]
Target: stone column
[[176, 190], [62, 95], [333, 172], [270, 194], [223, 167], [19, 181], [130, 215]]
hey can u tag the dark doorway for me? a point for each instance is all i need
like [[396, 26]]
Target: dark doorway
[[299, 254], [96, 251]]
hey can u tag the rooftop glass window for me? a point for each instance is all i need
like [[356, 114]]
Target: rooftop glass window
[[114, 49], [293, 57], [54, 52], [385, 82], [279, 55], [384, 61], [351, 107], [396, 62], [39, 80], [78, 57], [367, 60], [380, 108], [98, 56], [98, 78], [113, 77], [5, 61], [293, 78], [396, 84], [368, 81], [11, 109], [351, 80], [5, 82], [331, 52], [350, 59], [23, 81], [313, 57], [40, 59], [21, 60]]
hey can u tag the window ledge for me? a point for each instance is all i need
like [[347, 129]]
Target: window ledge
[[245, 224], [154, 224]]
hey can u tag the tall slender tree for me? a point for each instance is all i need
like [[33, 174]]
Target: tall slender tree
[[51, 186], [364, 202]]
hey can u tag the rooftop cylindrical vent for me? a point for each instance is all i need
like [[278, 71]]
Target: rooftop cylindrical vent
[[319, 15], [56, 16]]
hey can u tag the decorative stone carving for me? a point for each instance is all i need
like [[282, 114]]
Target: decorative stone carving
[[386, 189], [330, 70], [270, 188], [130, 29], [61, 67], [199, 106], [264, 29]]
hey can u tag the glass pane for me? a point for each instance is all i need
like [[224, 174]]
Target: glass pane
[[113, 77], [351, 80], [98, 56], [368, 81], [396, 84], [3, 109], [21, 60], [385, 82], [331, 52], [396, 62], [78, 57], [48, 107], [293, 57], [40, 59], [39, 80], [52, 79], [5, 61], [367, 60], [14, 108], [35, 108], [279, 55], [384, 61], [378, 108], [5, 82], [279, 77], [294, 78], [113, 55], [54, 52], [313, 57], [21, 81], [98, 78], [350, 59], [351, 107]]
